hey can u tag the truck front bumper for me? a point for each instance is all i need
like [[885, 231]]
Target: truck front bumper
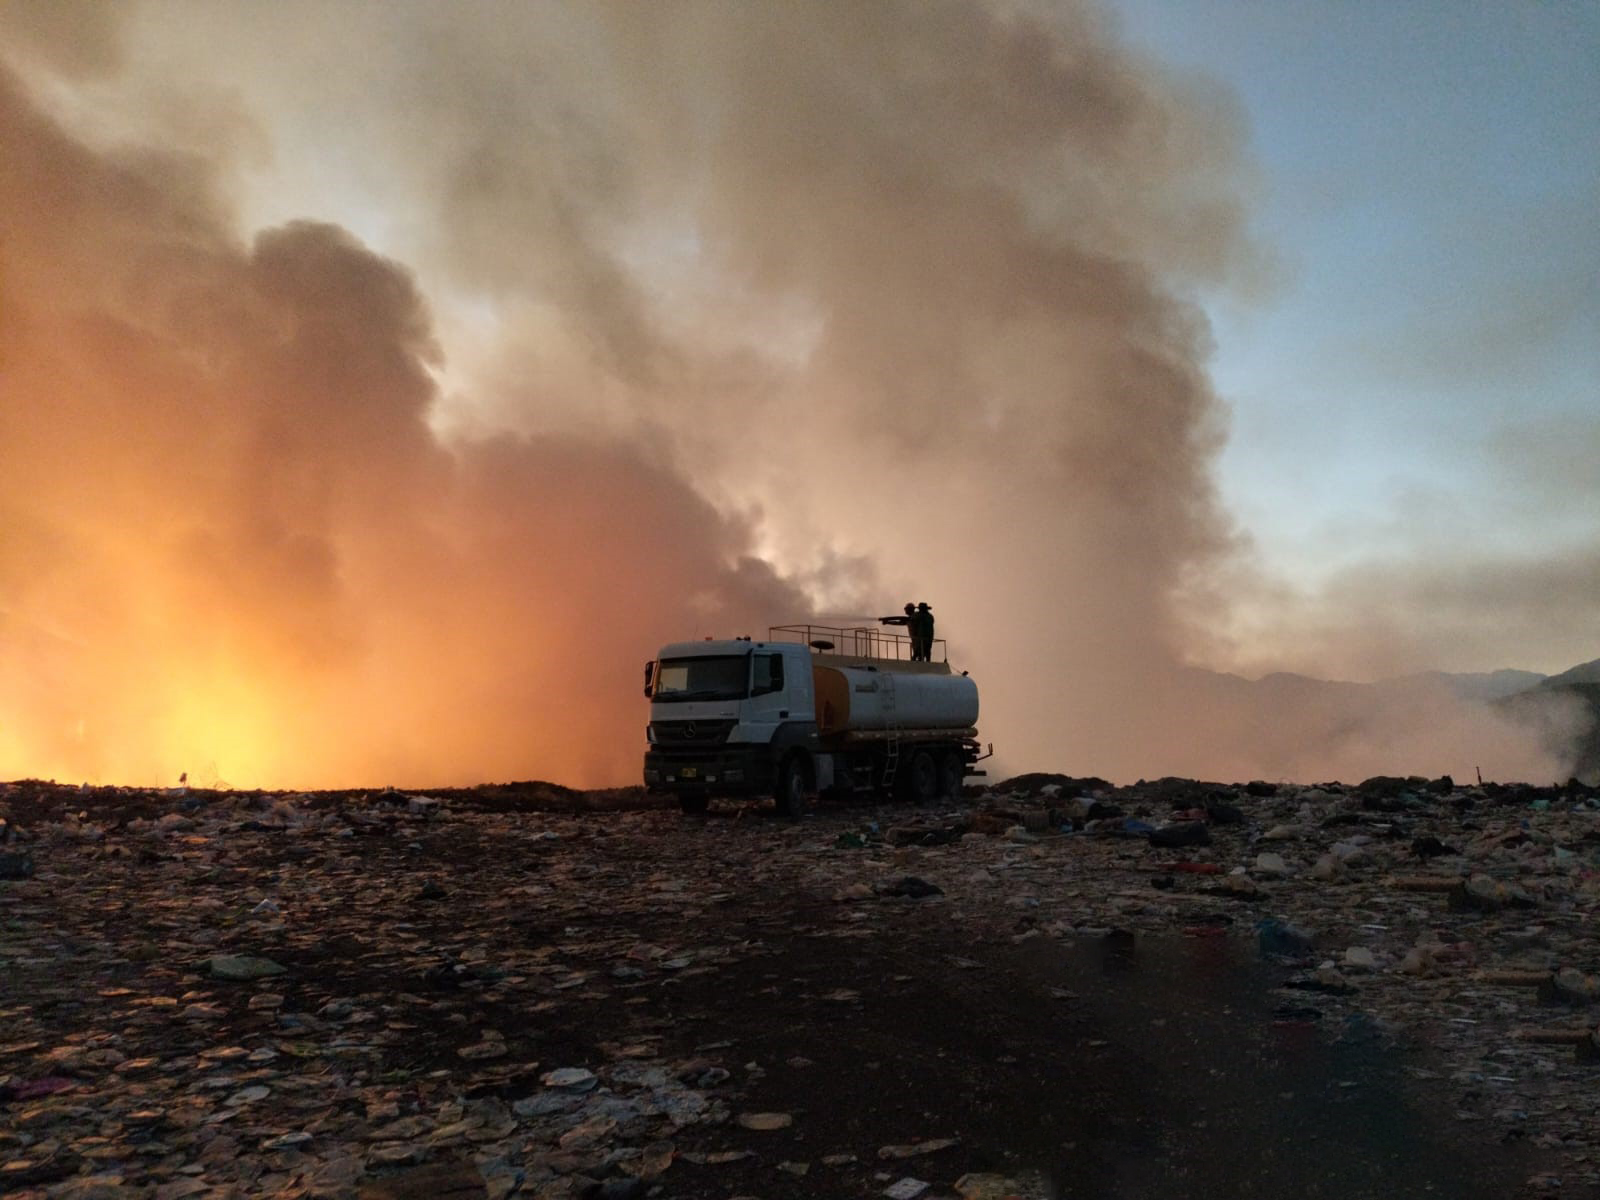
[[710, 771]]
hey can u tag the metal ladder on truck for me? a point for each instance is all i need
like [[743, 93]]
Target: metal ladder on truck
[[891, 725]]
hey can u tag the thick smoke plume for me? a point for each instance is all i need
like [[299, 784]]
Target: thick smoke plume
[[232, 539], [693, 318]]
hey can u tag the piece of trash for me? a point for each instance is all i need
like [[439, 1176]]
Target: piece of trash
[[1570, 986], [987, 1186], [1326, 980], [911, 887], [1270, 866], [1187, 833], [572, 1079], [914, 1149], [765, 1122], [717, 1158], [1326, 869], [1431, 847], [1289, 1014], [585, 1134], [1238, 887], [1485, 894], [1279, 939], [243, 967], [35, 1089]]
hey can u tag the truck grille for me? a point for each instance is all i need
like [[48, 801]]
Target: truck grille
[[691, 733]]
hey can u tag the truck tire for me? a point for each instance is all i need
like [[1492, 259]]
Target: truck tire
[[694, 805], [920, 778], [952, 775], [793, 784]]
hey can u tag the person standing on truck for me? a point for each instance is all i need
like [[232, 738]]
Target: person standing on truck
[[910, 622], [922, 633]]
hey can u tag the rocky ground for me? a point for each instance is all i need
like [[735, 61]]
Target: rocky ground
[[1055, 988]]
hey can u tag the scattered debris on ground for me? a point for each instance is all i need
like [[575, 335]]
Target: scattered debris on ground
[[530, 991]]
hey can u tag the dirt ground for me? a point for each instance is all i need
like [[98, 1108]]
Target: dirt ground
[[444, 958]]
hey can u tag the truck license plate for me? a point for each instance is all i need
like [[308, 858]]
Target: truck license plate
[[690, 772]]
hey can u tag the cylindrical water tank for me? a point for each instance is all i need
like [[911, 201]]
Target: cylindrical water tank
[[850, 698]]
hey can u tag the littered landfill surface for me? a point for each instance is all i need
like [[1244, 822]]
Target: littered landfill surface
[[530, 991]]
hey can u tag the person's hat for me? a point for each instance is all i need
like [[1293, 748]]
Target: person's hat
[[913, 607], [924, 607]]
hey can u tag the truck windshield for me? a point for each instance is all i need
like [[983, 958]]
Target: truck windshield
[[724, 677]]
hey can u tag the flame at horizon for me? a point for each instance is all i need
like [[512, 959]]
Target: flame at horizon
[[232, 539]]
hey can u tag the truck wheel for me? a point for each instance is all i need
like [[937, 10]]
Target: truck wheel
[[952, 776], [792, 786], [694, 805], [921, 778]]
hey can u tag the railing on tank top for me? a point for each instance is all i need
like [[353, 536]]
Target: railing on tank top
[[860, 641]]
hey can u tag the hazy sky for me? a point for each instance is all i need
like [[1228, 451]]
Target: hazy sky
[[1421, 375], [431, 364]]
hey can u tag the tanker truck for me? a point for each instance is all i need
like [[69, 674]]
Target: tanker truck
[[811, 710]]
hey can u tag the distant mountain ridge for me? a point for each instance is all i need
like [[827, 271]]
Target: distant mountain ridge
[[1520, 693], [1486, 685], [1588, 672], [1582, 685], [1341, 709]]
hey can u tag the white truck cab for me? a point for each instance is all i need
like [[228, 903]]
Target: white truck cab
[[724, 715]]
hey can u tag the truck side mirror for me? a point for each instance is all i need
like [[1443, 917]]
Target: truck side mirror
[[649, 671], [777, 672]]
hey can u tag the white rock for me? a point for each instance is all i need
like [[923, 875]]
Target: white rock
[[1351, 853], [572, 1079], [1327, 868], [1271, 865], [1359, 958], [1417, 962]]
